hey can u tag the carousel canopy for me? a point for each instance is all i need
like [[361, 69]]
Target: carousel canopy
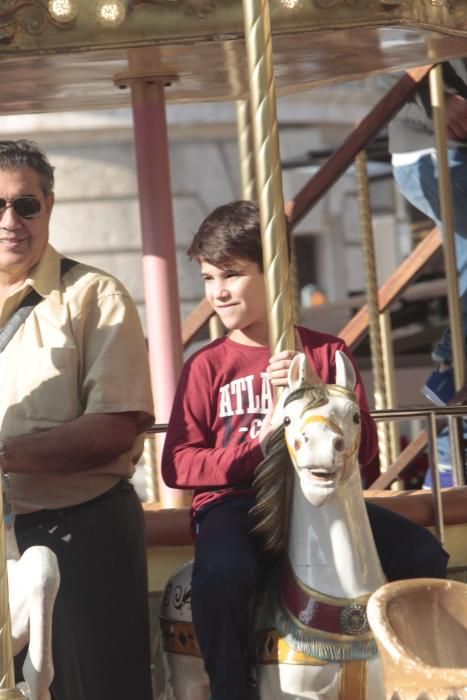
[[73, 54]]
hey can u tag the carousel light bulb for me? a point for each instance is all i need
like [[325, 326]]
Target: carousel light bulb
[[290, 4], [110, 13], [63, 10]]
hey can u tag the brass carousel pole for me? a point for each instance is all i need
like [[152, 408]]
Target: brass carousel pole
[[391, 393], [246, 149], [248, 179], [379, 384], [247, 172], [447, 217], [268, 174], [8, 691]]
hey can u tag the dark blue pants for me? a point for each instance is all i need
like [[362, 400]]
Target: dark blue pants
[[227, 570]]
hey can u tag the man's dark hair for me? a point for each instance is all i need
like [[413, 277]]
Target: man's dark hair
[[231, 231], [22, 154]]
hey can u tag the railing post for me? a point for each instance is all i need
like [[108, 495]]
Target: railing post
[[390, 380], [434, 469]]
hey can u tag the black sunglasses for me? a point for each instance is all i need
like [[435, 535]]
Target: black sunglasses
[[26, 207]]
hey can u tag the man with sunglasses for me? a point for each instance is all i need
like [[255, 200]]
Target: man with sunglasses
[[74, 404]]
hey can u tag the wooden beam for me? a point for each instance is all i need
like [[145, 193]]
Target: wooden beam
[[394, 286], [406, 456], [342, 158]]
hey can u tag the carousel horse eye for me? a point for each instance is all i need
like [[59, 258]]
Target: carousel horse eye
[[356, 418], [339, 445], [287, 421]]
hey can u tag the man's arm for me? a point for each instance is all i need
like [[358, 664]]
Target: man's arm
[[79, 445], [418, 108]]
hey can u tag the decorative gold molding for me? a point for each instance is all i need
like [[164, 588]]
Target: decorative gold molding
[[27, 27], [446, 16], [353, 4], [28, 16], [198, 8]]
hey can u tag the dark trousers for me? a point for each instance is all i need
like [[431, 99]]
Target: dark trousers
[[226, 574], [100, 631]]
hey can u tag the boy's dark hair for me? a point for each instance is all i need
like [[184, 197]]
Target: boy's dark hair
[[231, 231], [22, 154]]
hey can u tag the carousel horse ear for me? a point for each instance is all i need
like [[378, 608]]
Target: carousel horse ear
[[299, 375], [345, 372], [300, 372]]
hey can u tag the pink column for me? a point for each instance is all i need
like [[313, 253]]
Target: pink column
[[159, 255]]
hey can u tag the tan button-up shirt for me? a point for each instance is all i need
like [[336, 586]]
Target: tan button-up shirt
[[80, 350]]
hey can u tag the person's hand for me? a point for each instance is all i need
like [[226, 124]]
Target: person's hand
[[278, 368], [456, 117]]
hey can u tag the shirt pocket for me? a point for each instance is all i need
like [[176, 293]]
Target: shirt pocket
[[46, 385]]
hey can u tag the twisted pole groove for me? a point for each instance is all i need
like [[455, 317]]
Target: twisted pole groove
[[371, 283], [268, 174]]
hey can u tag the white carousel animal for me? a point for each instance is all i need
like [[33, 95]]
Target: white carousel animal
[[33, 582], [312, 637]]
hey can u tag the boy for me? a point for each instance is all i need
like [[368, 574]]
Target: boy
[[217, 434]]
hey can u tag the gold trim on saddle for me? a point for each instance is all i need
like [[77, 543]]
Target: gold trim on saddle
[[270, 648]]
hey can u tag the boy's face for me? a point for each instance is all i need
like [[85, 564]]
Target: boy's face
[[237, 294]]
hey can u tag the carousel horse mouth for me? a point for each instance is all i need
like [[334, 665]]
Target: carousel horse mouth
[[324, 476]]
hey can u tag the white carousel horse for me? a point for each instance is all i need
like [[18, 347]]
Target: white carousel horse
[[33, 581], [312, 636]]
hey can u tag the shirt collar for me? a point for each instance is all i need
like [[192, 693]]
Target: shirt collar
[[45, 276]]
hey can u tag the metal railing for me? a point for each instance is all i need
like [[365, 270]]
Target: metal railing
[[430, 415]]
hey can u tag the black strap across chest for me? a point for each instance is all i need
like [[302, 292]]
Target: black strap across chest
[[17, 319]]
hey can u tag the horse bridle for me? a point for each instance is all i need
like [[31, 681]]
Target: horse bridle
[[321, 398]]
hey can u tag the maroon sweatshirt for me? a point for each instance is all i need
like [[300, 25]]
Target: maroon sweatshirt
[[222, 397]]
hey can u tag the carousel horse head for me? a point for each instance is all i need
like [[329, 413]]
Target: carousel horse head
[[317, 438]]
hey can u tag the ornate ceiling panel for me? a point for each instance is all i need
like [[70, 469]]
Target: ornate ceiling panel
[[64, 25]]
